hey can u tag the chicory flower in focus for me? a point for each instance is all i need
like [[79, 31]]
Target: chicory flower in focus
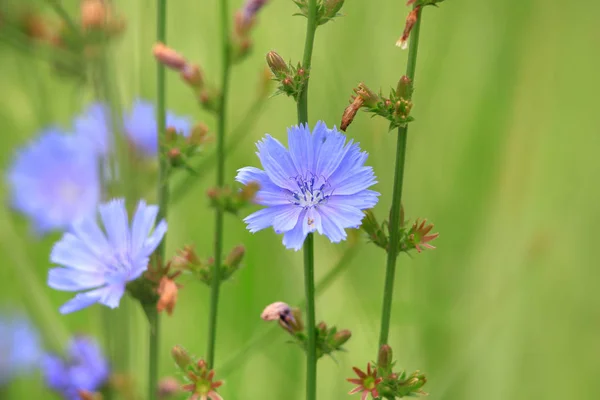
[[320, 184], [85, 368], [55, 181], [20, 349], [103, 262], [142, 129]]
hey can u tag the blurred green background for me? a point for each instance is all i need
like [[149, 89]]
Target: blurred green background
[[502, 157]]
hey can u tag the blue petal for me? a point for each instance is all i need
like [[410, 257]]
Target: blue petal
[[343, 215], [264, 218], [71, 252], [294, 239], [319, 135], [154, 240], [332, 229], [277, 162], [301, 148], [269, 194], [94, 126], [73, 280], [143, 221], [114, 219], [331, 154], [91, 236], [80, 301], [182, 125], [55, 373], [111, 295], [312, 222], [354, 182], [140, 126], [363, 200], [91, 368], [286, 219]]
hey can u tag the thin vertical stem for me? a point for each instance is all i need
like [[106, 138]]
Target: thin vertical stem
[[163, 201], [222, 121], [309, 289], [309, 276], [395, 212]]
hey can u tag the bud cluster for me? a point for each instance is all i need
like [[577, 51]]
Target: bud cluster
[[396, 108], [201, 379], [291, 78], [329, 339], [180, 149], [230, 200], [191, 74], [412, 237], [382, 382], [245, 20], [326, 9], [187, 260]]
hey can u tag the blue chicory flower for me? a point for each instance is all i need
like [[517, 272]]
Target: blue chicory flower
[[93, 125], [104, 263], [142, 129], [320, 185], [85, 368], [20, 349], [55, 181]]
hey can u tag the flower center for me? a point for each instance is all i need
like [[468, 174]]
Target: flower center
[[311, 191]]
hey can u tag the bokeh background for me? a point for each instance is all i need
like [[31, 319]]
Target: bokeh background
[[502, 157]]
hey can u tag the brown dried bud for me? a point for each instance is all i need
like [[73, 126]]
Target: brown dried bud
[[199, 134], [277, 64], [94, 14], [350, 112], [184, 258], [167, 290], [410, 23], [168, 57]]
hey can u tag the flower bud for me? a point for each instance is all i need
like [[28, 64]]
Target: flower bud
[[235, 257], [404, 89], [168, 57], [384, 361], [277, 64], [182, 357], [192, 74], [332, 7], [322, 327], [341, 337], [199, 135], [93, 14], [249, 191], [167, 290], [275, 311]]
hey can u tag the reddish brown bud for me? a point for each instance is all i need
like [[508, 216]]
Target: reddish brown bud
[[341, 337], [182, 357], [192, 74], [410, 23], [235, 257], [167, 290], [350, 112], [168, 57], [404, 88], [199, 134], [94, 14], [385, 358], [277, 64]]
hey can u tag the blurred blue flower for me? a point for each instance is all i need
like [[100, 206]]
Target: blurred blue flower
[[104, 263], [20, 350], [142, 129], [85, 368], [54, 181], [320, 184], [94, 126]]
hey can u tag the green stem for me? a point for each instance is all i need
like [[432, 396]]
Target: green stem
[[163, 200], [64, 15], [309, 288], [309, 275], [311, 30], [221, 129], [154, 326], [395, 211]]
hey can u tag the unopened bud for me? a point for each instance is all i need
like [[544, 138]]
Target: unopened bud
[[332, 7], [182, 357], [174, 156], [167, 290], [341, 337], [168, 57], [94, 14], [322, 326], [404, 89], [184, 258], [235, 257], [192, 74], [277, 64], [384, 361], [199, 134]]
